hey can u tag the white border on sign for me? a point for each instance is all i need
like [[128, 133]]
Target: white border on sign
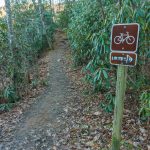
[[123, 64], [136, 42]]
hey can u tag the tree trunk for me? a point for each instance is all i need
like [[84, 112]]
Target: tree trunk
[[59, 5], [40, 8], [12, 45], [9, 24], [50, 3]]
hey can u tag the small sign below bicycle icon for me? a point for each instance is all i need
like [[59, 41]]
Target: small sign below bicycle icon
[[127, 59], [125, 37]]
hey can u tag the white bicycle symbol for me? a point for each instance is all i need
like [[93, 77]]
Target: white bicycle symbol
[[124, 38]]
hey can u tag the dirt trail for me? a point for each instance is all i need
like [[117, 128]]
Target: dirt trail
[[66, 117], [43, 120]]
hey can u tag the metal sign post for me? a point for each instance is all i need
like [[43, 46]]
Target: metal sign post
[[124, 42]]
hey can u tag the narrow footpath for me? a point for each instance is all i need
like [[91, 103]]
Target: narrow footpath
[[44, 119]]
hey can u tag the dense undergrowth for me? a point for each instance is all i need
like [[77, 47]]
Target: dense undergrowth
[[88, 25], [30, 43]]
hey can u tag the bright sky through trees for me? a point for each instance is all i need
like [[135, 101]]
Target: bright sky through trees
[[2, 2]]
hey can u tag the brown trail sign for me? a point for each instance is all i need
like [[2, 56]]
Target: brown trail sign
[[124, 42], [125, 37], [126, 59]]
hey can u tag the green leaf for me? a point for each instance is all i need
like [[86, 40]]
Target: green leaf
[[105, 74]]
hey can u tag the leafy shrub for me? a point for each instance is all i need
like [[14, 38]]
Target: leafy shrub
[[144, 111], [89, 29], [7, 99], [10, 95], [89, 33], [6, 107], [30, 44], [110, 102], [63, 16]]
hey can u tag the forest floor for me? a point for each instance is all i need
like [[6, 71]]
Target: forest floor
[[64, 116]]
